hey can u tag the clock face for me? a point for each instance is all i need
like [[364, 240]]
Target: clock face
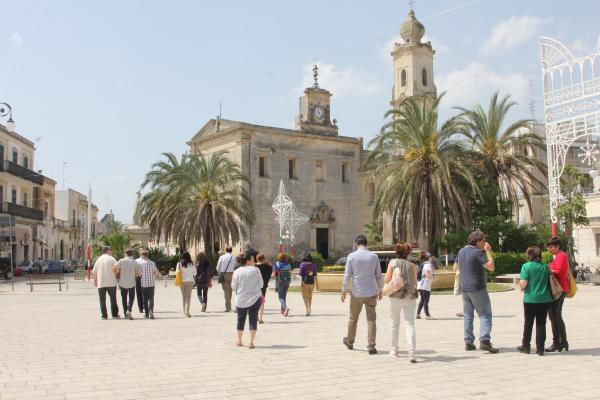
[[319, 113]]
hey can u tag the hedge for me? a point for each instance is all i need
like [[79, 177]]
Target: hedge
[[510, 263]]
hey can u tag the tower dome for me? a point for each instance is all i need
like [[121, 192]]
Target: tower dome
[[412, 30]]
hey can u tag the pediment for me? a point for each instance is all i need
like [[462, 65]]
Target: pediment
[[213, 127]]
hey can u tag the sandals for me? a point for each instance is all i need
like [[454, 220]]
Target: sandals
[[251, 346]]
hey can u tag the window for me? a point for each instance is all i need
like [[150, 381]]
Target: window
[[344, 172], [15, 156], [25, 199], [26, 161], [46, 207], [262, 162], [598, 244], [292, 168], [13, 196], [424, 77], [1, 193], [403, 78], [371, 192], [1, 153], [320, 170]]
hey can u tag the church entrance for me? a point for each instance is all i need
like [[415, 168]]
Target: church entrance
[[323, 242]]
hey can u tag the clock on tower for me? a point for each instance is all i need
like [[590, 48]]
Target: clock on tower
[[315, 116]]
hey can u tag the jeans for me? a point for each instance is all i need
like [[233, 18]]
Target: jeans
[[559, 330], [252, 313], [356, 305], [537, 312], [282, 289], [139, 294], [424, 302], [125, 294], [404, 306], [112, 293], [202, 294], [477, 301], [148, 293]]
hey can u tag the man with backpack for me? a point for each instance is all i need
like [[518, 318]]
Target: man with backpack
[[225, 267]]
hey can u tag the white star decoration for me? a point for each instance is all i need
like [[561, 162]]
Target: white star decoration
[[588, 153], [288, 216]]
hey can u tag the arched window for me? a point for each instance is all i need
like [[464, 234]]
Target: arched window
[[403, 78], [424, 77]]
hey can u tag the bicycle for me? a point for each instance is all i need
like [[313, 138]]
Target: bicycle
[[583, 274]]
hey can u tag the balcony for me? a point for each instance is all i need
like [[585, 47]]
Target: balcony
[[20, 171], [22, 211]]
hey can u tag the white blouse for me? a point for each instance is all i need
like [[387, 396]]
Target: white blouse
[[247, 282], [187, 273]]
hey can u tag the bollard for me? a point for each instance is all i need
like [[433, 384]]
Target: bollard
[[30, 284], [67, 283], [59, 284], [165, 280]]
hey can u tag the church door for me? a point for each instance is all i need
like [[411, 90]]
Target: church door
[[323, 242]]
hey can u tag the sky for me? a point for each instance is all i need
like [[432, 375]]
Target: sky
[[107, 86]]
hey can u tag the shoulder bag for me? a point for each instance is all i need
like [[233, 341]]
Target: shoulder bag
[[222, 274], [396, 283], [178, 275], [555, 288], [572, 284]]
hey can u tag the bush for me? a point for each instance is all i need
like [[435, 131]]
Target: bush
[[333, 268], [508, 263]]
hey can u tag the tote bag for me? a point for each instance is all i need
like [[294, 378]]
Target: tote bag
[[555, 287], [396, 283]]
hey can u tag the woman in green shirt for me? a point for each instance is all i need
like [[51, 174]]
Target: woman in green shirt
[[535, 282]]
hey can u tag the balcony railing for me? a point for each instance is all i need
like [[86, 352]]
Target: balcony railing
[[22, 211], [18, 170]]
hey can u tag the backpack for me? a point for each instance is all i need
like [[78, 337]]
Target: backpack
[[284, 276], [420, 272], [309, 279]]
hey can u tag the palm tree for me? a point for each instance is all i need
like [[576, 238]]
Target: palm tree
[[498, 152], [420, 171], [197, 199]]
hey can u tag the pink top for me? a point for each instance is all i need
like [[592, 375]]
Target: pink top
[[560, 267]]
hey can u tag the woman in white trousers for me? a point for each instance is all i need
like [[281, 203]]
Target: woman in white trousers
[[404, 301]]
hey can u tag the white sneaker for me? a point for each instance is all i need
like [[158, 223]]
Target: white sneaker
[[393, 353]]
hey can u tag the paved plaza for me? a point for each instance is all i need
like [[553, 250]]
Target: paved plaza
[[55, 346]]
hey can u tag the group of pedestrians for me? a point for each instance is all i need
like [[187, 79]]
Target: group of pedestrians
[[404, 282], [134, 277]]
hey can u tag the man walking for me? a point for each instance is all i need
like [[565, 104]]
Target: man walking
[[148, 274], [363, 268], [225, 267], [126, 270], [106, 282], [472, 262]]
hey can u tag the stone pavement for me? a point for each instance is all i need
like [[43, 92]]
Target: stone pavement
[[56, 347]]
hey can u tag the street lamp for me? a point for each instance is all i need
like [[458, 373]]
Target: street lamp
[[6, 110]]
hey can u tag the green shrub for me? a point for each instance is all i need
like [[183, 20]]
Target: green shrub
[[508, 263], [333, 268]]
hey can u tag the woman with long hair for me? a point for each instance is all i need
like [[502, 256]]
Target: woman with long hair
[[186, 268], [247, 283], [203, 279], [265, 271], [404, 300], [560, 268]]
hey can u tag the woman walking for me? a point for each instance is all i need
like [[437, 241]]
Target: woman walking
[[308, 274], [188, 275], [404, 300], [424, 285], [203, 279], [282, 272], [560, 268], [535, 282], [247, 283], [265, 271]]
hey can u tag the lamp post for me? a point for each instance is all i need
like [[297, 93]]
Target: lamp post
[[6, 110]]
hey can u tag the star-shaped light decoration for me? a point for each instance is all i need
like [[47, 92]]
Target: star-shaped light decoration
[[589, 153]]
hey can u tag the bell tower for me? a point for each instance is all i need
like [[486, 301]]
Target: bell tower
[[413, 65], [315, 111]]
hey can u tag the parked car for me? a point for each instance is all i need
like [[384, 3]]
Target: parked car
[[341, 261], [26, 267], [39, 267], [451, 259], [5, 270], [69, 265], [55, 266]]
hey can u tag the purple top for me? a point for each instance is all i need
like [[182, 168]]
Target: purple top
[[307, 266]]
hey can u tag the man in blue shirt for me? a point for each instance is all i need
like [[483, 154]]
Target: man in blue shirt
[[363, 268], [472, 262]]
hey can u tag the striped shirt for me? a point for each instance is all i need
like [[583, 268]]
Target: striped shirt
[[147, 272]]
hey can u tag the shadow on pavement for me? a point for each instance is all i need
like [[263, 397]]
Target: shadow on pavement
[[281, 347]]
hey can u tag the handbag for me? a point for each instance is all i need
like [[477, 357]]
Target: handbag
[[457, 290], [178, 276], [572, 285], [395, 284], [221, 278], [555, 287]]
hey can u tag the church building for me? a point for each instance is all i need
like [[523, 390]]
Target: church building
[[321, 169]]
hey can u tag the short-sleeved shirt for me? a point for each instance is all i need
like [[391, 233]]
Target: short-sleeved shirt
[[473, 276], [128, 269], [537, 276], [265, 271], [103, 270], [425, 282], [147, 272]]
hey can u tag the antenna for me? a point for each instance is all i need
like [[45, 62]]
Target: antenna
[[411, 3]]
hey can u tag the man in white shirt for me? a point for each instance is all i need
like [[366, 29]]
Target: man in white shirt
[[127, 269], [225, 267], [105, 280]]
